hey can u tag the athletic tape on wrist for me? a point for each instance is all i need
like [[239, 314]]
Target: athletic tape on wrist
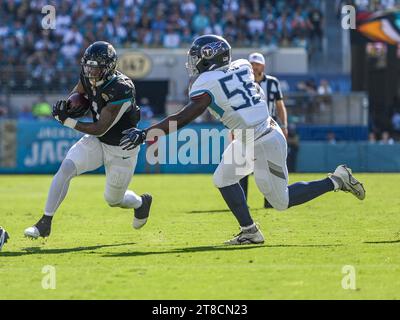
[[70, 123]]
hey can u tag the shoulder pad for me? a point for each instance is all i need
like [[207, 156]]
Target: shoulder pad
[[239, 63]]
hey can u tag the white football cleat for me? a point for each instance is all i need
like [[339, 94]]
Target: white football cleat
[[138, 223], [32, 232], [347, 182], [251, 235]]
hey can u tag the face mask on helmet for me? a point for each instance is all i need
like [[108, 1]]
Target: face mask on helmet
[[191, 65], [92, 70]]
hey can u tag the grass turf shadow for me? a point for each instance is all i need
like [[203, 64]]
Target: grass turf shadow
[[218, 211], [382, 242], [40, 250], [212, 248]]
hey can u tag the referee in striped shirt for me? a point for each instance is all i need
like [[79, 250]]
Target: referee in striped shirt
[[274, 99], [272, 90]]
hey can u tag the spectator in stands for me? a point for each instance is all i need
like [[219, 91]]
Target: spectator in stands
[[172, 38], [231, 5], [325, 92], [284, 24], [315, 25], [186, 39], [324, 88], [200, 21], [271, 40], [146, 110], [299, 24], [215, 27], [256, 27], [308, 87], [188, 7], [396, 121], [160, 23], [372, 138], [301, 41], [386, 139], [73, 36], [331, 137]]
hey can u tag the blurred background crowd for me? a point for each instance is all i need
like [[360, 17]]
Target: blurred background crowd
[[43, 55], [33, 58]]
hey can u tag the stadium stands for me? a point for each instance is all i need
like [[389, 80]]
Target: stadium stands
[[375, 5], [31, 57]]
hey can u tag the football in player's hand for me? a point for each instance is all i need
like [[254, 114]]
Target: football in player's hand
[[77, 105]]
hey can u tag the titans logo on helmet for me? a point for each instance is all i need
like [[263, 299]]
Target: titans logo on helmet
[[210, 49]]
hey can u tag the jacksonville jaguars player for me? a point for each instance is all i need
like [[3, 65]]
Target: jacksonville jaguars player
[[229, 90], [113, 107]]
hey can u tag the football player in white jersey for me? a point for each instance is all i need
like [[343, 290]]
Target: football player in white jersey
[[229, 90]]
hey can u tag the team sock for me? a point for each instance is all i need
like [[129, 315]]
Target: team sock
[[244, 183], [236, 201], [302, 192]]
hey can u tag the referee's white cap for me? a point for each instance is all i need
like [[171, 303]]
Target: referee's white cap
[[257, 58]]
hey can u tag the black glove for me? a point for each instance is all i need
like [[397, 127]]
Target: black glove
[[132, 138], [60, 112]]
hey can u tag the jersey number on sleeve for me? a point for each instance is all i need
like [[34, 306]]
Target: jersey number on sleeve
[[249, 98]]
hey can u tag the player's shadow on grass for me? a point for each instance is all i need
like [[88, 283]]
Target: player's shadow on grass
[[219, 210], [214, 249], [382, 242], [40, 250]]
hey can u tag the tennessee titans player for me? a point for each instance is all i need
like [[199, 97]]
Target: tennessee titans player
[[228, 89]]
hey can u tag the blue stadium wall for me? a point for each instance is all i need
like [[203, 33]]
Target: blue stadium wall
[[42, 145]]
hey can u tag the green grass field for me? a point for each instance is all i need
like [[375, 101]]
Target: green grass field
[[178, 254]]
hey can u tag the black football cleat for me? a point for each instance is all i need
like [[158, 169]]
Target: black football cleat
[[41, 229], [3, 237], [142, 213]]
